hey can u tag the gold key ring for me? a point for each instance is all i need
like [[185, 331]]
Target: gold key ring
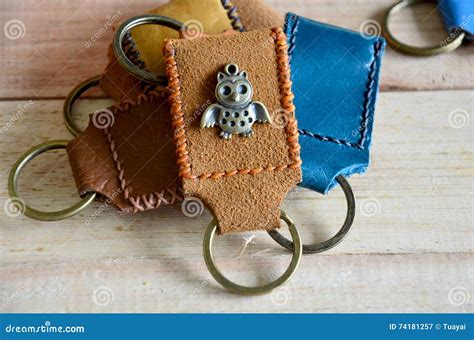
[[71, 98], [122, 57], [235, 288], [33, 213], [448, 45], [336, 239]]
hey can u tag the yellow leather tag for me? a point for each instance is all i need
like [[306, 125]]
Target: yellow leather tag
[[206, 16]]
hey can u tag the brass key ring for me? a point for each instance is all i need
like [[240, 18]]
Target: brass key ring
[[71, 98], [33, 213], [123, 30], [235, 288], [448, 45], [336, 239]]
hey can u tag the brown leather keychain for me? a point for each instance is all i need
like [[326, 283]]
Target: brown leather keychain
[[232, 156], [126, 154]]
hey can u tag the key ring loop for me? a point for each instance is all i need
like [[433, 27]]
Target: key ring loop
[[235, 288], [71, 98], [448, 45], [27, 210], [122, 58], [336, 239]]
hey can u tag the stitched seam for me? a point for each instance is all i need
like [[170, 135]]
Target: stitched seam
[[177, 115], [329, 139], [118, 163], [148, 95], [130, 49], [365, 113], [294, 30], [368, 95], [287, 96], [154, 199], [233, 15], [185, 170]]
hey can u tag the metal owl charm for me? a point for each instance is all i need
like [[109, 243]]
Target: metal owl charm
[[236, 112]]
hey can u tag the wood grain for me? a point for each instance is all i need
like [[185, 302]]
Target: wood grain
[[409, 250], [54, 55], [346, 283]]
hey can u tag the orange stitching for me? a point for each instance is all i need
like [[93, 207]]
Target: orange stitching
[[283, 64], [177, 113]]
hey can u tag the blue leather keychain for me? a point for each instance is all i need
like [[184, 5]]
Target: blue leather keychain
[[458, 18], [335, 76]]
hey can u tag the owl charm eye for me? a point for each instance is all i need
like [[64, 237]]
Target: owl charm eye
[[242, 89], [225, 90]]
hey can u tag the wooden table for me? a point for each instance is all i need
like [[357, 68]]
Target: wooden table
[[410, 249]]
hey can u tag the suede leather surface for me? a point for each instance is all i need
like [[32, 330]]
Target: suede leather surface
[[132, 161], [255, 15], [241, 201], [335, 81], [120, 85], [458, 15]]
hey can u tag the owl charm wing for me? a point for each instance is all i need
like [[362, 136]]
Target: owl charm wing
[[211, 115], [261, 112]]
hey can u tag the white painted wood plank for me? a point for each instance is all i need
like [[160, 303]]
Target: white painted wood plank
[[52, 55], [406, 254], [324, 283]]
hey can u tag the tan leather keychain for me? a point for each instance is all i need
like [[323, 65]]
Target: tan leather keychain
[[234, 159]]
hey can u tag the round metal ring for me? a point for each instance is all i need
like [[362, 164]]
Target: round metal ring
[[122, 58], [235, 288], [71, 98], [33, 213], [336, 239], [449, 44]]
